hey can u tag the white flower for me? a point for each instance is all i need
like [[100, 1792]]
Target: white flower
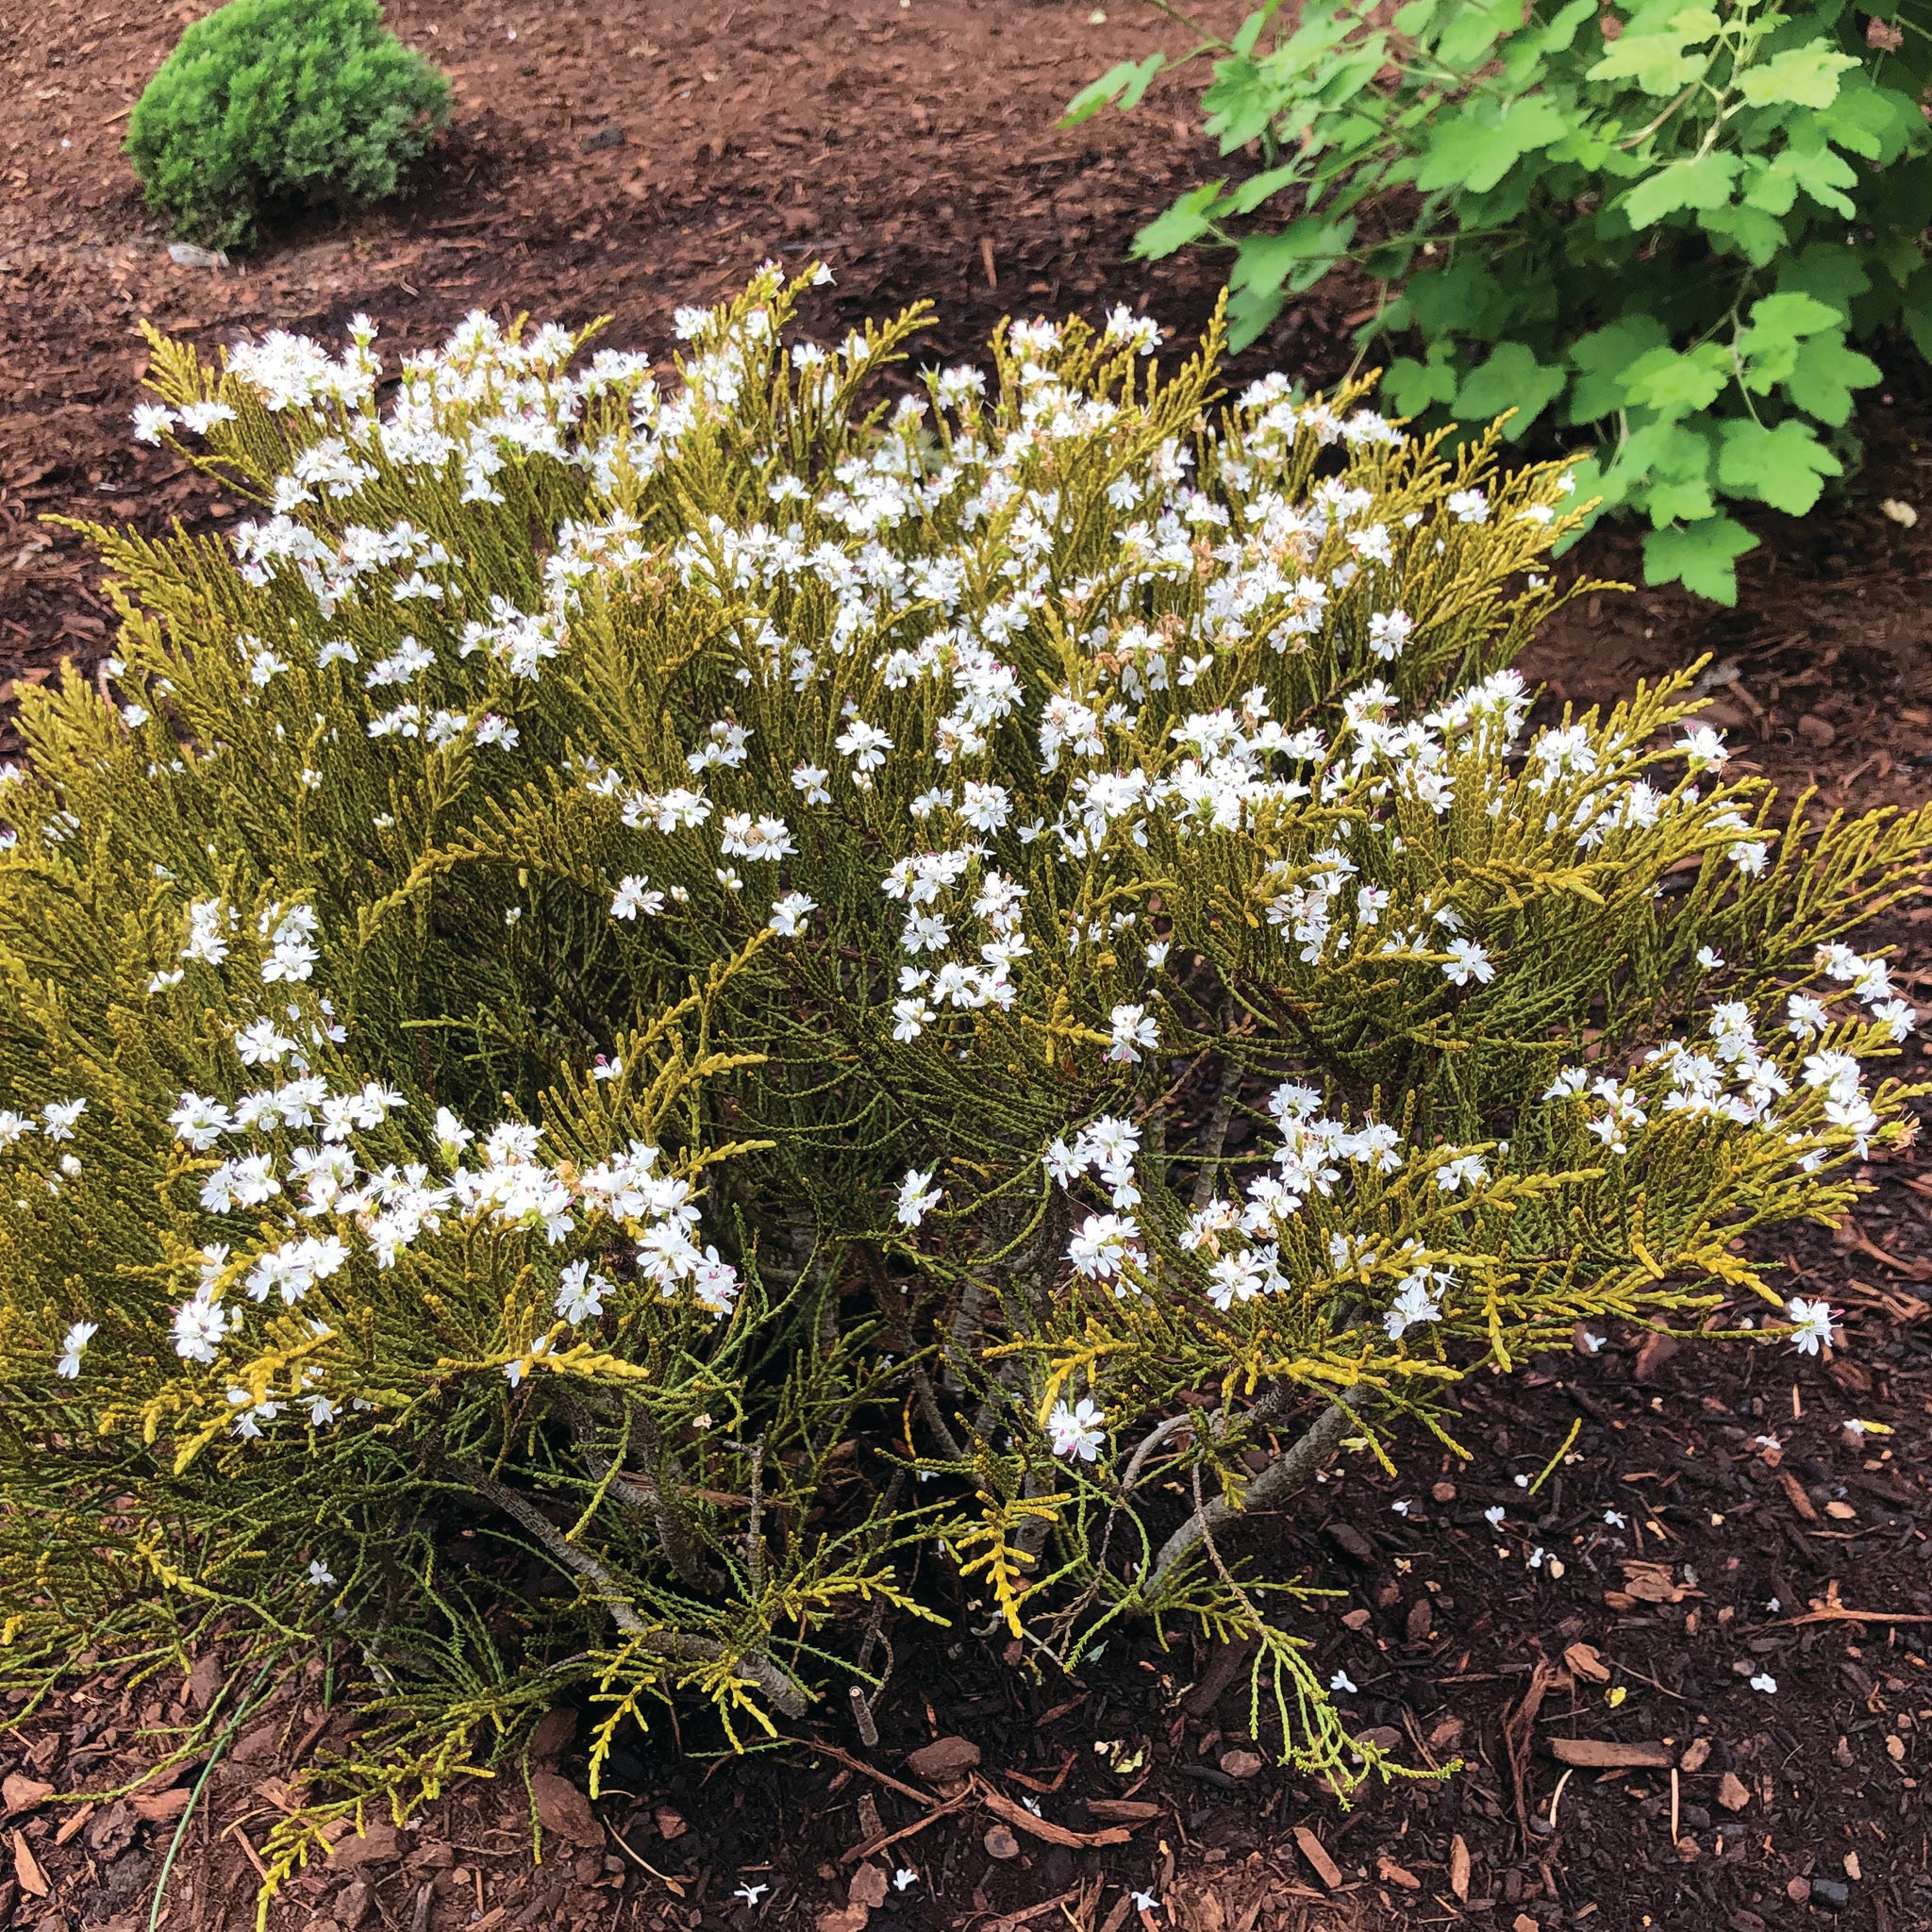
[[199, 1122], [917, 1198], [152, 421], [580, 1293], [1341, 1681], [199, 1326], [1616, 1518], [788, 913], [58, 1116], [1133, 331], [1468, 506], [905, 1878], [261, 1042], [633, 897], [1466, 1170], [1467, 960], [865, 745], [75, 1342], [1709, 958], [1132, 1029], [1494, 1515], [320, 1575], [1389, 631], [1765, 1682], [452, 1137], [751, 1894], [1100, 1249], [810, 779], [1702, 747], [1811, 1323], [1078, 1431], [1144, 1902]]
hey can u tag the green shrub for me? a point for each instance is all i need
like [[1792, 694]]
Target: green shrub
[[620, 1041], [270, 103], [1651, 227]]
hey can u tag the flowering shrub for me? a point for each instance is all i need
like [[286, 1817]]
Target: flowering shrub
[[281, 101], [1656, 230], [623, 1042]]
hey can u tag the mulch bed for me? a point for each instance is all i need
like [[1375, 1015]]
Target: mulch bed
[[628, 157]]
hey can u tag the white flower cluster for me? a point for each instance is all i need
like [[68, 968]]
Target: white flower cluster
[[1737, 1079], [1010, 658]]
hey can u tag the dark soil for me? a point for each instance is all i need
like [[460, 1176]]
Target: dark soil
[[628, 157]]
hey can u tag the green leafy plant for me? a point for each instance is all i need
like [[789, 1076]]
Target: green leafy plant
[[268, 103], [621, 1024], [1657, 228]]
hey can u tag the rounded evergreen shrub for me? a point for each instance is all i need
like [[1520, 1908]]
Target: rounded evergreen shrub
[[622, 1042], [268, 103]]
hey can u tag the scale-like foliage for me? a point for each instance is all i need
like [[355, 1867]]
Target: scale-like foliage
[[629, 1013], [268, 106]]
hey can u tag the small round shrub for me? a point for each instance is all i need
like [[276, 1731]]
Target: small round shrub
[[651, 1037], [268, 103]]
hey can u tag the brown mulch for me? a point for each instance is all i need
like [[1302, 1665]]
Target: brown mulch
[[628, 157]]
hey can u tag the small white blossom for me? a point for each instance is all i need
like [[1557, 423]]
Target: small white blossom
[[1467, 960], [1132, 1030], [1078, 1431], [1811, 1325], [72, 1345], [789, 913], [917, 1198]]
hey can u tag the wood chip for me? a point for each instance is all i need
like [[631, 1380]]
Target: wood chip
[[27, 1871], [1585, 1660], [1324, 1866], [1459, 1866], [1652, 1583], [1696, 1755], [1122, 1810], [944, 1757], [1794, 1493], [1020, 1819], [1607, 1754], [1732, 1793], [1391, 1874], [23, 1794], [1001, 1843], [73, 1822]]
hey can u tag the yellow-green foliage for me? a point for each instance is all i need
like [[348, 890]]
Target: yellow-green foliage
[[659, 982]]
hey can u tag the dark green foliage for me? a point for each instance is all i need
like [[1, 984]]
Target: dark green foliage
[[1659, 231], [302, 102]]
